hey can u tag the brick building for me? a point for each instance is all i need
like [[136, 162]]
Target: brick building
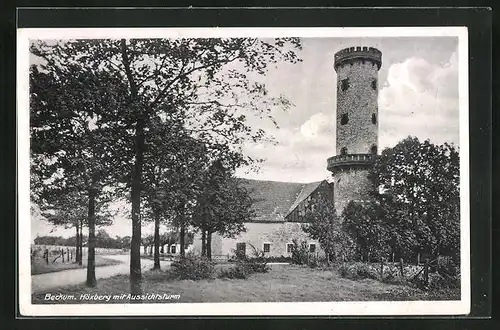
[[281, 205]]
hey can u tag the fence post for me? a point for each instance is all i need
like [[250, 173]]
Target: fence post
[[46, 256], [401, 266], [62, 255], [392, 257], [418, 259]]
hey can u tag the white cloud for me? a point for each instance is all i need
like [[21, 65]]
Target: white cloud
[[300, 154], [420, 99]]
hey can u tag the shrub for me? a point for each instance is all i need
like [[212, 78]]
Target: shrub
[[192, 267], [358, 270], [313, 262], [238, 271], [246, 266], [271, 259], [300, 253], [447, 266], [243, 269]]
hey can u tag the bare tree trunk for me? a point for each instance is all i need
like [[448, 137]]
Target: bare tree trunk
[[156, 264], [209, 245], [80, 260], [135, 246], [203, 242], [91, 279], [77, 252], [182, 237]]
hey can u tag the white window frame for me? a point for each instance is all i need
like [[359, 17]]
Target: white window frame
[[315, 247]]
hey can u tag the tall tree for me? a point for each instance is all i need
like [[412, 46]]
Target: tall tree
[[322, 223], [212, 82], [223, 205], [369, 230], [417, 207], [74, 133], [67, 210], [421, 184]]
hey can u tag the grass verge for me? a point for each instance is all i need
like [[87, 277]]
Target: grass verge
[[283, 283]]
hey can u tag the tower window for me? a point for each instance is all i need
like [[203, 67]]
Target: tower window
[[373, 149], [344, 119], [343, 151], [374, 118], [345, 84], [374, 84]]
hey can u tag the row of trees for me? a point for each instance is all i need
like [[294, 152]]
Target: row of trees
[[158, 122], [415, 210]]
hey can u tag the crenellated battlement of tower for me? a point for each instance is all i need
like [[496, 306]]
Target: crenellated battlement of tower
[[347, 55]]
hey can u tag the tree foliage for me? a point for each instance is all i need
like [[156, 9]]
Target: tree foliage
[[73, 131], [207, 86], [223, 204], [418, 206], [323, 224]]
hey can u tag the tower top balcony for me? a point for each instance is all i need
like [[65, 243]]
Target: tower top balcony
[[351, 54], [339, 162]]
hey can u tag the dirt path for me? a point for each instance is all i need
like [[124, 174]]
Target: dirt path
[[76, 276]]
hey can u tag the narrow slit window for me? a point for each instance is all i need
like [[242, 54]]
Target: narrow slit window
[[343, 151], [312, 248], [374, 84], [373, 149], [374, 118], [344, 119], [344, 84]]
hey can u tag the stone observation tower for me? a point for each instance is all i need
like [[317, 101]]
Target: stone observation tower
[[357, 123]]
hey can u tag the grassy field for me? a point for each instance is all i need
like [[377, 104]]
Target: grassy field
[[39, 266], [281, 284]]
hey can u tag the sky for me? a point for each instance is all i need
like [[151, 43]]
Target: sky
[[418, 96]]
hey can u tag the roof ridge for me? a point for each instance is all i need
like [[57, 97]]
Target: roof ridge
[[293, 206]]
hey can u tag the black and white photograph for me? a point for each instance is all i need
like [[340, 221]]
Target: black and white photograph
[[243, 171]]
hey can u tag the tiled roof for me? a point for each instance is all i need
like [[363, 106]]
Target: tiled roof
[[273, 200], [307, 189]]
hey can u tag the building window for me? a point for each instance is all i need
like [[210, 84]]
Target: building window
[[344, 119], [289, 247], [344, 84], [267, 247], [173, 249], [241, 247], [312, 247], [374, 118], [373, 149], [374, 84], [343, 151]]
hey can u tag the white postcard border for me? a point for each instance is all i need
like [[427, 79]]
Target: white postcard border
[[188, 309]]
